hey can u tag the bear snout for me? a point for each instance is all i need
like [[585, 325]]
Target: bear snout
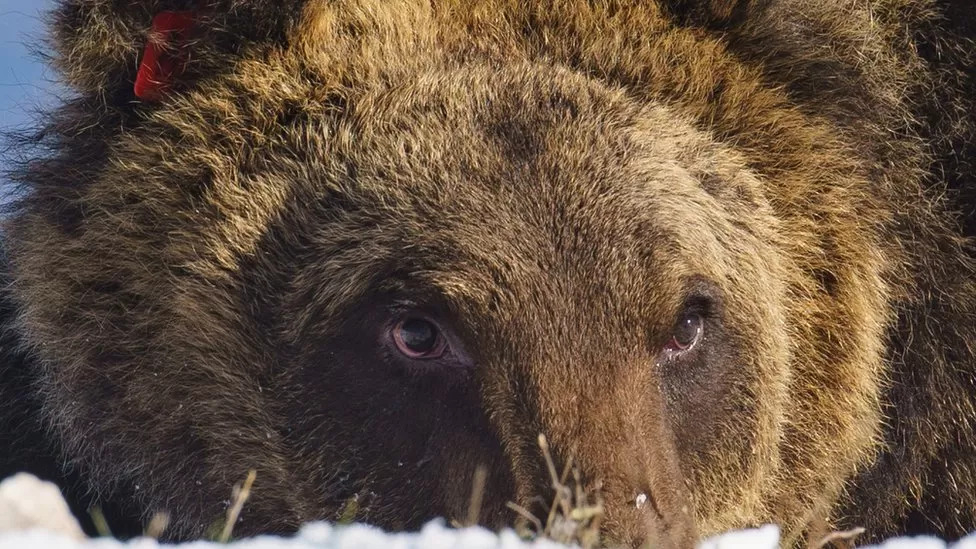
[[620, 459]]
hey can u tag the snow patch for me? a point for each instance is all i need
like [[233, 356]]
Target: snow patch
[[435, 535], [33, 515], [759, 538], [27, 502]]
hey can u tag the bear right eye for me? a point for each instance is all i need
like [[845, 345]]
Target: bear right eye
[[419, 339], [687, 332]]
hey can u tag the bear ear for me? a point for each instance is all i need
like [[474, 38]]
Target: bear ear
[[125, 49]]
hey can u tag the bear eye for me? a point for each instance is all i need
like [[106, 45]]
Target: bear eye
[[418, 338], [687, 332]]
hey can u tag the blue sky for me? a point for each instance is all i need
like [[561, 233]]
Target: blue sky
[[25, 84]]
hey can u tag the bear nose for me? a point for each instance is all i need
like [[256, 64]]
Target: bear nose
[[655, 526], [660, 518], [646, 499], [636, 466], [641, 494], [614, 434]]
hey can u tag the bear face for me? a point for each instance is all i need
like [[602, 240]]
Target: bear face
[[470, 207], [524, 229], [404, 242]]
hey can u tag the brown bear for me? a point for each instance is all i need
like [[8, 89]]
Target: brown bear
[[716, 251]]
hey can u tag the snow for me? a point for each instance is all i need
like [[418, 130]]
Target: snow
[[27, 502], [33, 514], [435, 535], [760, 538]]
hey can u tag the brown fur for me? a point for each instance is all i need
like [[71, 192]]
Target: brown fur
[[202, 282]]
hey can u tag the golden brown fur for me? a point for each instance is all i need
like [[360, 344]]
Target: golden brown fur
[[196, 280]]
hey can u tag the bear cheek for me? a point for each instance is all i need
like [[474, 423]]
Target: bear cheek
[[700, 397], [411, 443]]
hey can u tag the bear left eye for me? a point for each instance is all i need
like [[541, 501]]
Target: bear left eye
[[687, 332], [418, 338]]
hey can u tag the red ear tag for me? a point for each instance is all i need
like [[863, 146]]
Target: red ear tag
[[165, 55]]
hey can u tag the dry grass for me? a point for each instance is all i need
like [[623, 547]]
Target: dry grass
[[837, 540], [573, 518], [161, 520], [98, 520], [477, 495], [239, 497], [574, 515], [157, 525]]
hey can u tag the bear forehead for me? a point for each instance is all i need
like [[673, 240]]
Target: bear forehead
[[536, 154], [500, 189]]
